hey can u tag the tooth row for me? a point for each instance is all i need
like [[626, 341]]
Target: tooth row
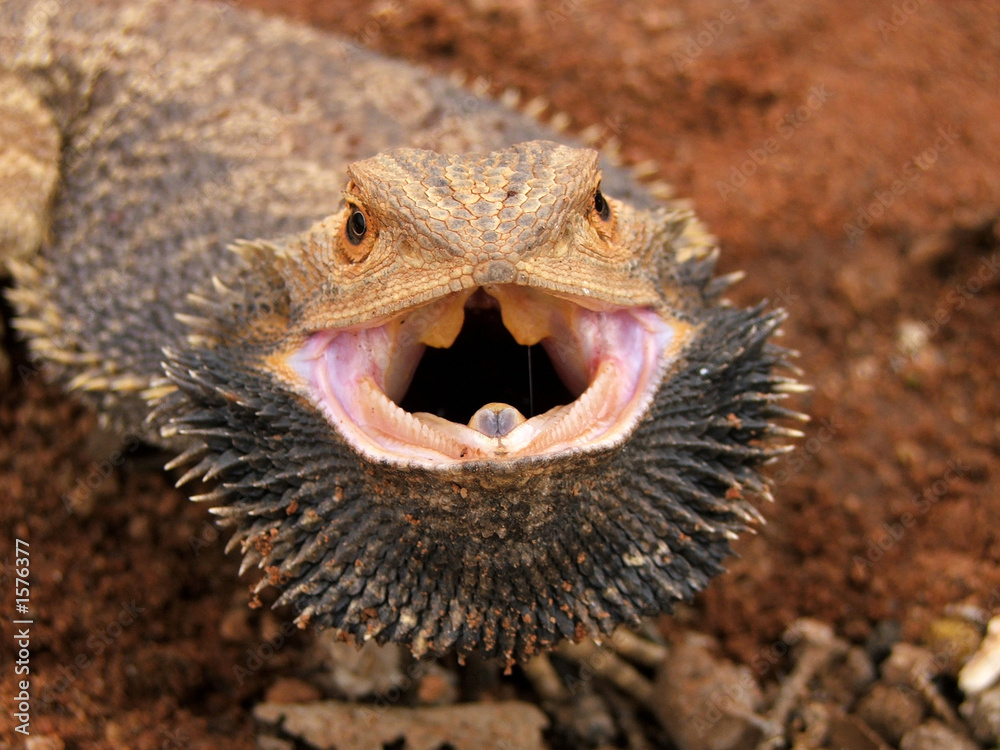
[[402, 426]]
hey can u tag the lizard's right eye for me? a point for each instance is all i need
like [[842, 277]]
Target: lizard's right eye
[[601, 206], [357, 226]]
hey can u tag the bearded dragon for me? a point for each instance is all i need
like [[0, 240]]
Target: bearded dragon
[[241, 239]]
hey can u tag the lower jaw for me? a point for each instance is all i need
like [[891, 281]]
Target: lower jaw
[[503, 562]]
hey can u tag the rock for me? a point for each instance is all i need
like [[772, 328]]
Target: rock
[[363, 672], [825, 725], [887, 633], [983, 669], [591, 721], [115, 735], [908, 665], [953, 640], [858, 671], [702, 700], [966, 235], [982, 711], [291, 690], [848, 677], [813, 727], [911, 338], [849, 731], [869, 281], [891, 711], [43, 742], [931, 248], [933, 735], [5, 368], [331, 725], [270, 628], [436, 686], [234, 626], [273, 743]]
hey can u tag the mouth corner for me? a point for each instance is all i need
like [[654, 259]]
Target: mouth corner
[[499, 374]]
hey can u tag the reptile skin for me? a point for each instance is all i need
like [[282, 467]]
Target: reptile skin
[[180, 192]]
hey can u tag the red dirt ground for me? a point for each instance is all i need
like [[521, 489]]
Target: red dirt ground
[[846, 155]]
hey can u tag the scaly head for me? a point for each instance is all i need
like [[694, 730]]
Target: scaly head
[[479, 527]]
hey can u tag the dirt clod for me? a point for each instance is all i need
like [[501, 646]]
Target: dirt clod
[[935, 736], [890, 711], [702, 700]]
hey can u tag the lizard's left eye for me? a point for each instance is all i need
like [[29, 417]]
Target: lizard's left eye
[[601, 206], [357, 227]]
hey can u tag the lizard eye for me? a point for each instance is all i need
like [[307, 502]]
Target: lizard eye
[[601, 206], [357, 227]]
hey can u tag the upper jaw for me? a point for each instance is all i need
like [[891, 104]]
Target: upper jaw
[[611, 360]]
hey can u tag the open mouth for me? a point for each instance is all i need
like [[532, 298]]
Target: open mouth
[[450, 382]]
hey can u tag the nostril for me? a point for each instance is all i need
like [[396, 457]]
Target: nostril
[[495, 272]]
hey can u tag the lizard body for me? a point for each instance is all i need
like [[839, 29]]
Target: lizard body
[[168, 168]]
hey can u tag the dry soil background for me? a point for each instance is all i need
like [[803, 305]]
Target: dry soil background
[[846, 155]]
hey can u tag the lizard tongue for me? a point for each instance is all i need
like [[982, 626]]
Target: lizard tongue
[[496, 420]]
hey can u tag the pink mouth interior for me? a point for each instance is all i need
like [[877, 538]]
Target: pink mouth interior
[[612, 361]]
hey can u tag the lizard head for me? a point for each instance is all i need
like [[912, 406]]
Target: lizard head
[[522, 238], [379, 506]]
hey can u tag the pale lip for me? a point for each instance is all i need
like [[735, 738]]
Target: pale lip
[[613, 360]]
